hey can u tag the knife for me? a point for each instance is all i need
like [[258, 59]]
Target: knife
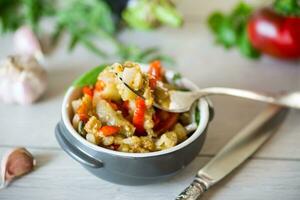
[[236, 151]]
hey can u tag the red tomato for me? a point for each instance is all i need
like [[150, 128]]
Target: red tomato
[[273, 34], [139, 114]]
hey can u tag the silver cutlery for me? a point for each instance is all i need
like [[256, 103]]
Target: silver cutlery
[[181, 101], [236, 151]]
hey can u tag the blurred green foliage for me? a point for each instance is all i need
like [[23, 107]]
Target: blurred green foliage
[[287, 7], [87, 20], [230, 29]]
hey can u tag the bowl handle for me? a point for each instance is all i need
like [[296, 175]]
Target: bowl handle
[[75, 152]]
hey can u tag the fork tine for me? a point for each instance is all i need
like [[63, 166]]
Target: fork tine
[[131, 89]]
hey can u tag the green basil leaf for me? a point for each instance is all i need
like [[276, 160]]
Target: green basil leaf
[[90, 77]]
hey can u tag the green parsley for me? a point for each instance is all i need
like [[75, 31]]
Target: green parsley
[[230, 29]]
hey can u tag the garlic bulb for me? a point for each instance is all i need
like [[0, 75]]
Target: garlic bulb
[[22, 79], [27, 43], [16, 163]]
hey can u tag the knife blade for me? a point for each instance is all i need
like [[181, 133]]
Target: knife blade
[[236, 151]]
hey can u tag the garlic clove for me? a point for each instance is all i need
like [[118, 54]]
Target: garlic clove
[[16, 163]]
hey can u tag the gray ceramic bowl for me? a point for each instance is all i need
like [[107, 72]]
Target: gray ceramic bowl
[[131, 168]]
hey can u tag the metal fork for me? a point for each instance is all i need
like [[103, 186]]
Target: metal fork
[[181, 101]]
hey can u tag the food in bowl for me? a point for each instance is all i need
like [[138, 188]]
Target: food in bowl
[[136, 168], [110, 115]]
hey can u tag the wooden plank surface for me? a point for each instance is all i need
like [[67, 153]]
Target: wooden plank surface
[[272, 173], [199, 60], [58, 177]]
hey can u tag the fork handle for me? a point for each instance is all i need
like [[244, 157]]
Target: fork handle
[[284, 99]]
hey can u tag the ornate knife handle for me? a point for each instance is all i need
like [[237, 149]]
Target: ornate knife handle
[[200, 184]]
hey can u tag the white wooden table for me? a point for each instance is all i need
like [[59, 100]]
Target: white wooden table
[[272, 173]]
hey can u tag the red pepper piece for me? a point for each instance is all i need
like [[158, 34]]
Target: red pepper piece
[[88, 91], [139, 114], [109, 130]]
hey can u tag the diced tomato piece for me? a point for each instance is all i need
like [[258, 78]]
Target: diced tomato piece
[[139, 114], [109, 130], [167, 121], [88, 91], [99, 86]]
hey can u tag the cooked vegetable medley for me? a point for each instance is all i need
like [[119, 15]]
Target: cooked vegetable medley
[[112, 116]]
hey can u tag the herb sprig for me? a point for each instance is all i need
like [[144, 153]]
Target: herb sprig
[[87, 20], [230, 29]]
